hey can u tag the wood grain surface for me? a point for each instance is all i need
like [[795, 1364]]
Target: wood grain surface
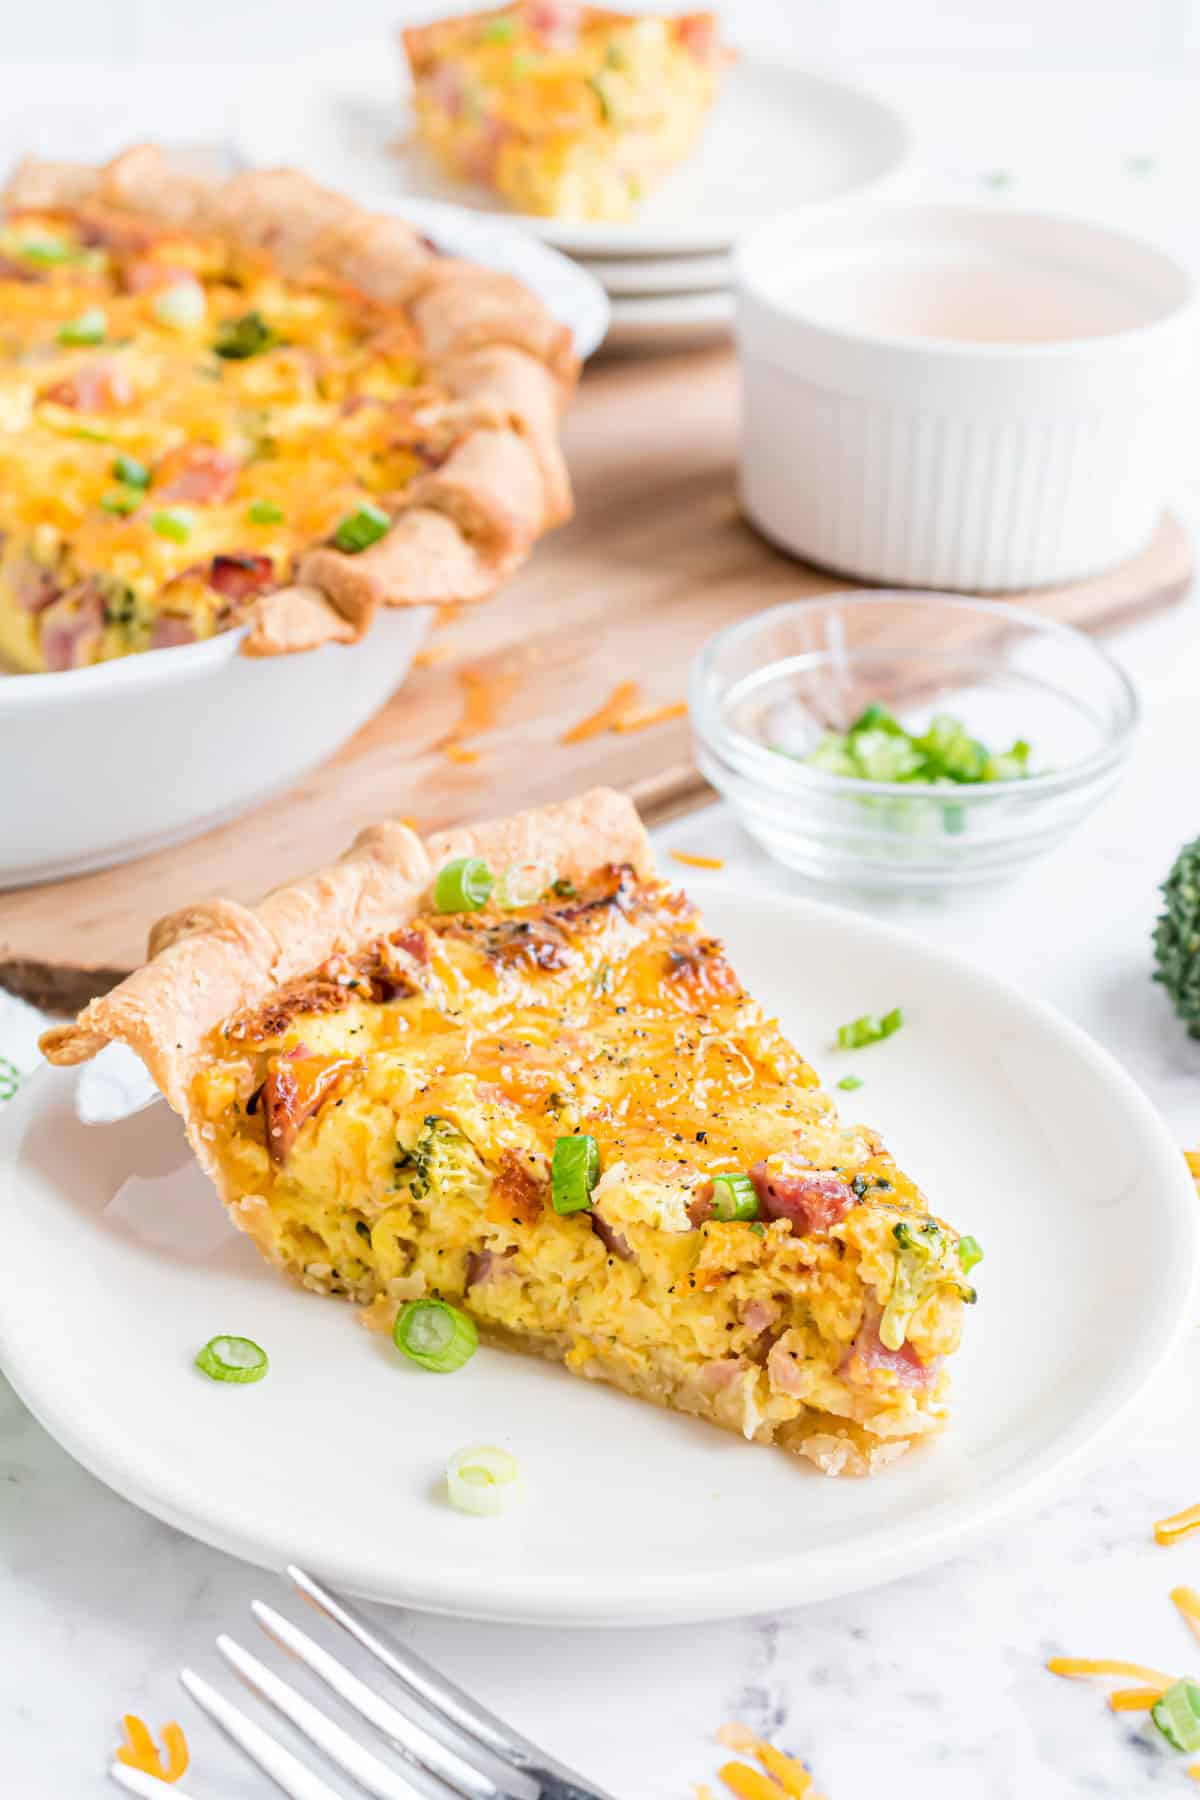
[[656, 560]]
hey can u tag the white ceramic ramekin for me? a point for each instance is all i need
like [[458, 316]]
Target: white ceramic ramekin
[[109, 762], [959, 396]]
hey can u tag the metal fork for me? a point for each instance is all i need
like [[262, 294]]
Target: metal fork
[[472, 1755]]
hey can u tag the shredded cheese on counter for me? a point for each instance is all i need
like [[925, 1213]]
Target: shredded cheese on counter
[[624, 698], [460, 753], [784, 1776], [1168, 1531], [1079, 1666], [1188, 1602], [1135, 1699], [139, 1751]]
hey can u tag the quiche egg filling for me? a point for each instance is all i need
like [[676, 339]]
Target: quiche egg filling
[[178, 421], [386, 1128], [565, 110]]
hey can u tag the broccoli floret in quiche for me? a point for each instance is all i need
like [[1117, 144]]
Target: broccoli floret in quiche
[[1177, 937]]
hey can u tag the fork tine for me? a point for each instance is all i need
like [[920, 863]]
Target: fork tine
[[336, 1744], [135, 1782], [423, 1681], [285, 1770], [417, 1744]]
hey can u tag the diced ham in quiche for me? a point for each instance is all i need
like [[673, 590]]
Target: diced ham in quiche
[[812, 1202], [196, 472], [97, 386]]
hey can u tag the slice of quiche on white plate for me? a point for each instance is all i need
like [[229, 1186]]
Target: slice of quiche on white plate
[[505, 1071]]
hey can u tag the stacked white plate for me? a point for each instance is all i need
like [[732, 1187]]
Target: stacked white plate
[[780, 138]]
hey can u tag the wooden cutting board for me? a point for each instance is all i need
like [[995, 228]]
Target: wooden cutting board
[[656, 560]]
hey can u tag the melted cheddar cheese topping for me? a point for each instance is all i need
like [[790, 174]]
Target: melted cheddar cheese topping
[[385, 1128], [177, 422], [567, 111]]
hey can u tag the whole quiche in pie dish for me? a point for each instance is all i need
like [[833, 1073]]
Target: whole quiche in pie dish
[[251, 403], [507, 1070], [566, 111]]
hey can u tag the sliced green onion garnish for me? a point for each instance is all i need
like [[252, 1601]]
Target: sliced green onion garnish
[[264, 512], [239, 338], [172, 522], [869, 1029], [462, 885], [132, 472], [849, 1083], [574, 1172], [88, 328], [121, 503], [45, 251], [519, 886], [733, 1197], [1177, 1715], [182, 306], [483, 1480], [877, 747], [498, 31], [970, 1252], [10, 1078], [362, 528], [233, 1359], [436, 1335]]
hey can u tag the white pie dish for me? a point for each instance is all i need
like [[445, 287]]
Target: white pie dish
[[962, 397], [124, 757], [1020, 1128], [113, 761]]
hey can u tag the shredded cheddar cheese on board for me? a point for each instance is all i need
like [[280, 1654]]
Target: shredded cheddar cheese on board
[[652, 715], [624, 697], [139, 1751]]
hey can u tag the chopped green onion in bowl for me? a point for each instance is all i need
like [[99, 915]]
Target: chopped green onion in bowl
[[869, 1029], [436, 1335], [89, 328], [733, 1197], [574, 1172], [876, 747], [463, 885], [235, 1359], [483, 1480]]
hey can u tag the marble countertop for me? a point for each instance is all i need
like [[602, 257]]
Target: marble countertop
[[927, 1689]]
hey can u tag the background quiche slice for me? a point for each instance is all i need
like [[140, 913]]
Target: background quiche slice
[[568, 111], [382, 1090], [251, 402]]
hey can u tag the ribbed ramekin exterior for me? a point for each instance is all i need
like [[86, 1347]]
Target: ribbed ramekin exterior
[[893, 493]]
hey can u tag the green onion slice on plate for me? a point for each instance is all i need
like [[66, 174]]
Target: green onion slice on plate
[[436, 1335], [232, 1359], [574, 1172], [869, 1030], [462, 885], [483, 1480], [733, 1197]]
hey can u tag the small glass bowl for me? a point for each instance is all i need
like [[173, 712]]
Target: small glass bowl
[[763, 692]]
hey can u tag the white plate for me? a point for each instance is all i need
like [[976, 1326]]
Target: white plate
[[621, 276], [1021, 1130], [668, 321], [780, 137], [572, 293]]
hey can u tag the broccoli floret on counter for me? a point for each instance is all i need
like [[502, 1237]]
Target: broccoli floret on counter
[[1177, 937]]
